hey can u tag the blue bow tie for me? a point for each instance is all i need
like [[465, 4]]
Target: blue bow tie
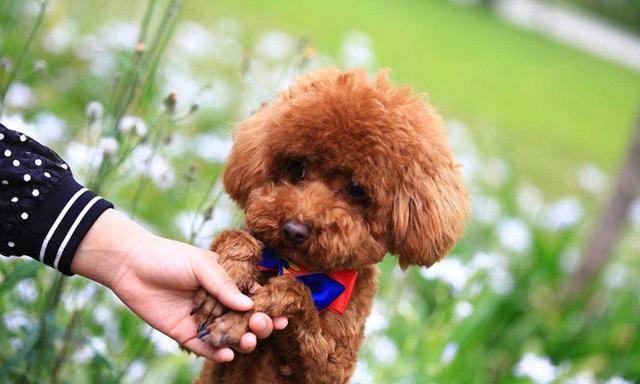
[[325, 289]]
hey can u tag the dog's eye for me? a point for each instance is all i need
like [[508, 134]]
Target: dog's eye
[[297, 170], [355, 191]]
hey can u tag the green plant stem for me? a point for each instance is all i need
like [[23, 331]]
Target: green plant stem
[[23, 53], [42, 344], [203, 201], [156, 143], [66, 340]]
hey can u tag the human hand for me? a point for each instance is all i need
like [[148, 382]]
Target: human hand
[[158, 279]]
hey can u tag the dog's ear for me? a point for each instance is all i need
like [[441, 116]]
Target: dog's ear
[[429, 213], [246, 168]]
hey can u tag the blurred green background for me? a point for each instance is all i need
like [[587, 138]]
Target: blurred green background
[[539, 122]]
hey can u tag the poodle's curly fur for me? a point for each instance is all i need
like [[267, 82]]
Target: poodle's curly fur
[[367, 169]]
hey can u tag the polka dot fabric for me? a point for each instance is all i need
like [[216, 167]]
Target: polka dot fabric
[[44, 212]]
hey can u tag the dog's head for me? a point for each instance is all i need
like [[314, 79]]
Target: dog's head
[[340, 170]]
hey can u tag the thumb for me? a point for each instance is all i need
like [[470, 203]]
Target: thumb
[[215, 280]]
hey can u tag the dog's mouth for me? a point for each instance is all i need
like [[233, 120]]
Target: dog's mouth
[[291, 243]]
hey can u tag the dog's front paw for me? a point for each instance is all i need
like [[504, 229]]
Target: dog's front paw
[[227, 330], [206, 309]]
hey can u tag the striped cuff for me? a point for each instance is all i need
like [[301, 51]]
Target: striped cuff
[[55, 231]]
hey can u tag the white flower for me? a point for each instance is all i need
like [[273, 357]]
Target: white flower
[[108, 145], [514, 235], [537, 368], [495, 265], [140, 157], [177, 145], [570, 259], [449, 352], [82, 157], [17, 123], [275, 45], [495, 172], [194, 39], [378, 320], [616, 276], [164, 344], [584, 377], [485, 209], [132, 123], [16, 343], [94, 110], [462, 310], [564, 214], [357, 51], [17, 319], [405, 305], [617, 380], [592, 179], [48, 128], [136, 371], [83, 355], [634, 213], [27, 290], [464, 149], [79, 298], [362, 374], [161, 172], [119, 34], [60, 37], [154, 166], [213, 147], [450, 270], [529, 199], [102, 314], [98, 344], [19, 96], [217, 96], [384, 350], [223, 215], [500, 281]]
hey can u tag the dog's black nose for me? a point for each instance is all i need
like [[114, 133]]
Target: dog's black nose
[[295, 231]]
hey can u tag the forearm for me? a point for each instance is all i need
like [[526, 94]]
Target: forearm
[[106, 251]]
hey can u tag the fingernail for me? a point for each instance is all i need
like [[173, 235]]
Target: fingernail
[[244, 300], [261, 324]]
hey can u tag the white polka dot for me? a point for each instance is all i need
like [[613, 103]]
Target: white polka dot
[[47, 174], [65, 166], [11, 244], [5, 182], [35, 193], [24, 216], [7, 153], [14, 200], [16, 163], [27, 177], [38, 162], [23, 138], [1, 136]]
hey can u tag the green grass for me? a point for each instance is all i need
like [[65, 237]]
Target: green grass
[[548, 106]]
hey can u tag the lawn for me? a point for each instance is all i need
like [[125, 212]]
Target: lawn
[[547, 106]]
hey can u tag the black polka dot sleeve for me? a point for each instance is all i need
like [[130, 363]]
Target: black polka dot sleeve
[[44, 212]]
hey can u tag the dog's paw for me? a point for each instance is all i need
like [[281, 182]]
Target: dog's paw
[[206, 308], [227, 330]]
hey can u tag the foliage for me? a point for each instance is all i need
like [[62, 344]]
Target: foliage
[[545, 103], [141, 110]]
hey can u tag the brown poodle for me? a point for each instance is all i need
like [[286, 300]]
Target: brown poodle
[[336, 173]]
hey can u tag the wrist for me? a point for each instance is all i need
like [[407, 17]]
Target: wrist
[[106, 253]]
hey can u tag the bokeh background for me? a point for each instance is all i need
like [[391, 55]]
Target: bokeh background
[[541, 101]]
